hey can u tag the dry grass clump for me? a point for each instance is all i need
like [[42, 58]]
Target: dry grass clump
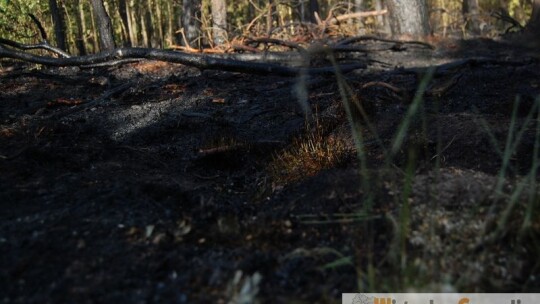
[[308, 155], [7, 132]]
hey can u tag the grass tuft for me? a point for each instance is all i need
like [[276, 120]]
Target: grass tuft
[[308, 155]]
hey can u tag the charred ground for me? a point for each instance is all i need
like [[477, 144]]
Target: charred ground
[[153, 182]]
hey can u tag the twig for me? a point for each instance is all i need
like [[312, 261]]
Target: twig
[[365, 38], [112, 63], [355, 15], [382, 84], [504, 16], [241, 47], [221, 149], [444, 149], [39, 26], [42, 45], [442, 88], [106, 95], [289, 44]]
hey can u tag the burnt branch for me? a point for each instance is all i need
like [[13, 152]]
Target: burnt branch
[[39, 26], [268, 41], [200, 61], [352, 40], [44, 45]]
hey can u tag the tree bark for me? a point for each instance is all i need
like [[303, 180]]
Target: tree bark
[[470, 15], [216, 62], [106, 38], [191, 22], [159, 23], [149, 24], [534, 22], [59, 27], [308, 9], [219, 21], [381, 19], [359, 5], [94, 38], [123, 11], [408, 18], [142, 27], [270, 17], [132, 21], [169, 38], [313, 8], [81, 28]]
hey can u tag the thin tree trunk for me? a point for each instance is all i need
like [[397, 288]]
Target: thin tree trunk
[[359, 4], [359, 7], [95, 38], [59, 27], [106, 38], [70, 40], [270, 17], [251, 12], [170, 25], [159, 23], [123, 11], [81, 28], [149, 24], [382, 20], [143, 28], [191, 22], [313, 8], [132, 21], [219, 21], [470, 15], [303, 11], [534, 21]]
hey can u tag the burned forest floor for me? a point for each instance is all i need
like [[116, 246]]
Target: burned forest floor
[[152, 182]]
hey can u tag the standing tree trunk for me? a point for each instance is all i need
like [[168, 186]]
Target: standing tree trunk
[[308, 13], [313, 8], [382, 20], [191, 22], [142, 26], [219, 21], [534, 23], [126, 26], [106, 38], [159, 23], [408, 18], [169, 37], [149, 22], [94, 38], [81, 28], [359, 7], [59, 28], [470, 14], [131, 9], [270, 17], [302, 11]]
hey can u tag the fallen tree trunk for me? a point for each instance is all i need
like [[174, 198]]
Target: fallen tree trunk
[[200, 61]]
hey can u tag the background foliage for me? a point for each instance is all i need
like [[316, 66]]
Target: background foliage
[[157, 23]]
